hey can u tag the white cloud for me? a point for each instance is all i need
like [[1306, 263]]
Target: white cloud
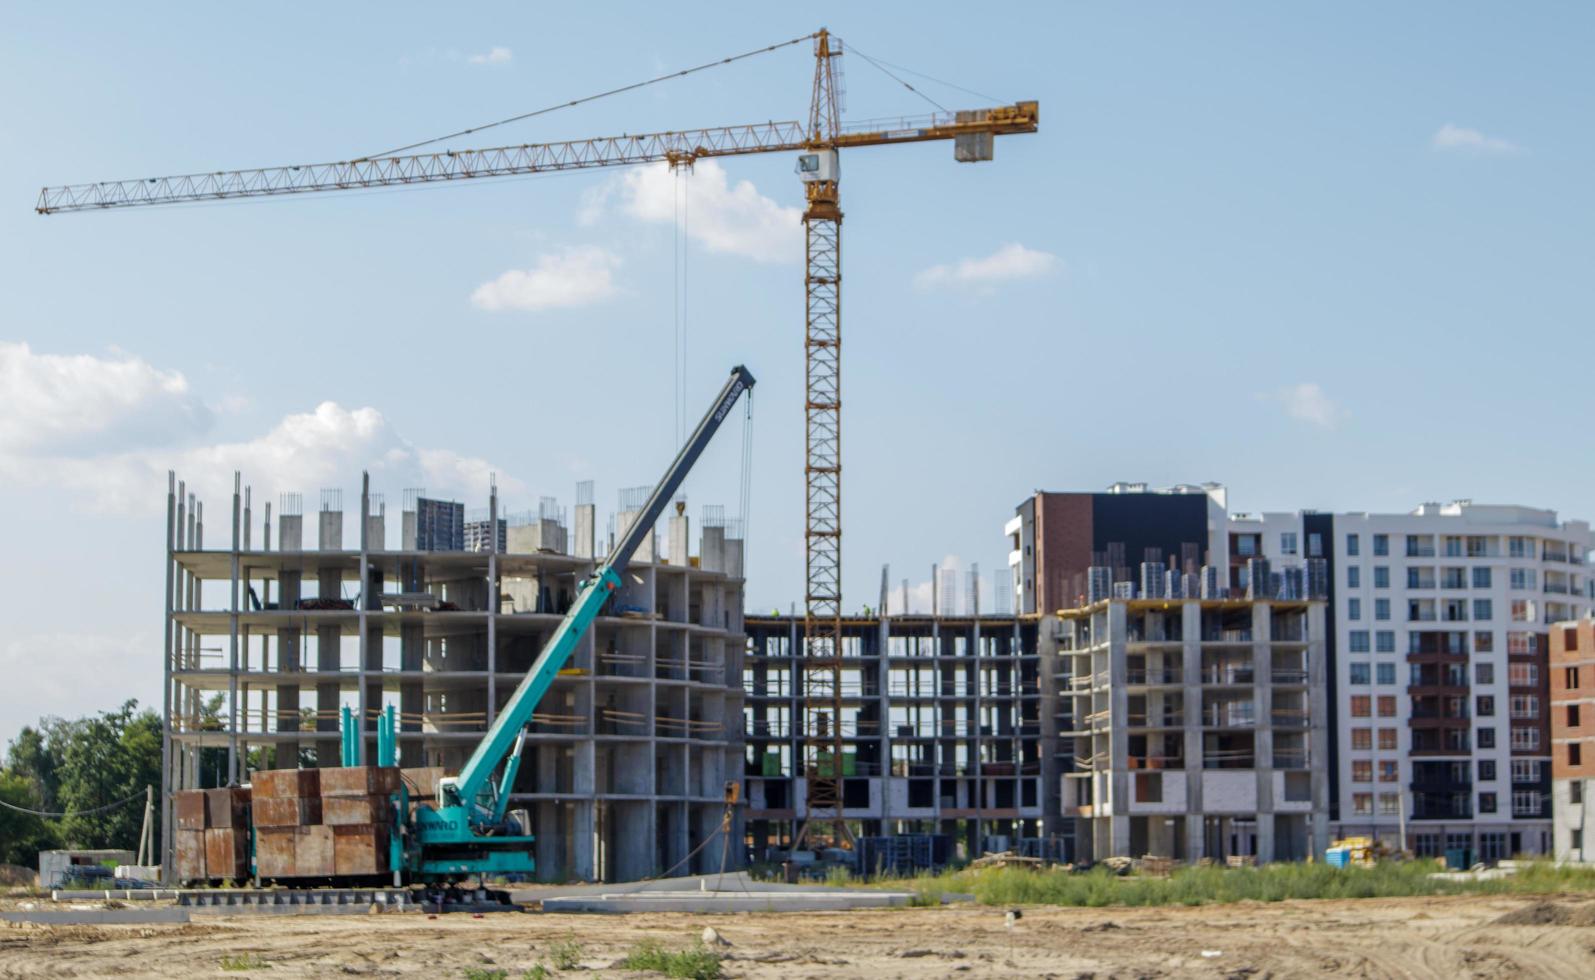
[[73, 673], [1307, 402], [67, 422], [493, 56], [578, 275], [1462, 139], [51, 403], [1010, 262], [723, 217]]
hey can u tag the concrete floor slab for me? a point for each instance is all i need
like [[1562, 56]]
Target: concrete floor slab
[[836, 900], [98, 917]]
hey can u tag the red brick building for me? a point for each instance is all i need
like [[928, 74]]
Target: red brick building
[[1572, 669]]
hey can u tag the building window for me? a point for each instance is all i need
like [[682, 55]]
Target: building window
[[1420, 546], [1362, 804], [1358, 640], [1385, 641], [1486, 738], [1484, 673], [1486, 802], [1387, 706], [1453, 577], [1353, 609], [1381, 576], [1353, 576], [1361, 771], [1572, 716], [1381, 544], [1526, 770], [1287, 543], [1575, 791], [1486, 705], [1525, 804], [1361, 739], [1359, 673], [1386, 673], [1389, 804], [1361, 705], [1315, 545], [1483, 642], [1522, 611], [1520, 547], [1570, 678], [1481, 577], [1387, 739], [1483, 609], [1381, 609], [1525, 739], [1486, 770], [1353, 545], [1525, 706], [1575, 756], [1523, 675], [1389, 771]]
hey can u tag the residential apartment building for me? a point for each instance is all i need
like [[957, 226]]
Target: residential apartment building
[[1055, 537], [1193, 728], [1572, 666], [942, 730], [1435, 636], [1438, 629]]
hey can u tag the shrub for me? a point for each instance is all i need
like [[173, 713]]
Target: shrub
[[697, 962]]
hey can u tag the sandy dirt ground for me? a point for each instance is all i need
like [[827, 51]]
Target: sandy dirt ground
[[1446, 938]]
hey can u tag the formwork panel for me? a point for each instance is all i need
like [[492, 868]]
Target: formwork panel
[[190, 854], [347, 811], [274, 851], [279, 783], [189, 805], [359, 781], [227, 809], [313, 852], [360, 850], [227, 853], [287, 812]]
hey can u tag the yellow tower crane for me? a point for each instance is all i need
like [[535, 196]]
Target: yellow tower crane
[[817, 145]]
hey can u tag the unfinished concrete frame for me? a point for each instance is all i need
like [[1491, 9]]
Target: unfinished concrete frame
[[1193, 728], [629, 752]]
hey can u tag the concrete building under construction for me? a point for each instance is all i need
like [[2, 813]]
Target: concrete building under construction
[[277, 630]]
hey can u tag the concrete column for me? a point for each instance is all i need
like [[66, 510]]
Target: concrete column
[[329, 524], [733, 559], [679, 540], [711, 549], [290, 533], [1191, 655], [585, 527], [168, 769], [232, 645], [1263, 745], [1318, 729]]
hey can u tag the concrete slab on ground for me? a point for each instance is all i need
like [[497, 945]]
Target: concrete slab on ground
[[838, 900]]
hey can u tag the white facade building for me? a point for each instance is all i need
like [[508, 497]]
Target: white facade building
[[1439, 623]]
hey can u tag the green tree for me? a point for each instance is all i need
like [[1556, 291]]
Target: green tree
[[22, 835], [35, 755], [103, 760]]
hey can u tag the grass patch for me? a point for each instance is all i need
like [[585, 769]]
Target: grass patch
[[697, 962], [566, 954], [538, 972], [1216, 885], [244, 961], [483, 973]]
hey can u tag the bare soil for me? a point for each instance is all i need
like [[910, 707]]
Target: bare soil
[[1449, 938]]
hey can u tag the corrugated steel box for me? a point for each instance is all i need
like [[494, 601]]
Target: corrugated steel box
[[190, 807], [278, 783], [191, 853], [359, 780], [422, 781], [227, 854], [227, 808], [287, 812], [274, 851], [347, 811], [360, 850], [313, 854]]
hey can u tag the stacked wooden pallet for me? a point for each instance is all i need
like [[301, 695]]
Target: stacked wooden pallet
[[324, 823], [212, 834]]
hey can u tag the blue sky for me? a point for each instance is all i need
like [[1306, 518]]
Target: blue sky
[[1331, 255]]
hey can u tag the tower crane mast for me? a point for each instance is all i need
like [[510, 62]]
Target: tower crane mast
[[817, 144]]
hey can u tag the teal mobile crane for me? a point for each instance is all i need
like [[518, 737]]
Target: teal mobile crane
[[467, 833]]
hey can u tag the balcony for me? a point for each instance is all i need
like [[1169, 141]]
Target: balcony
[[1287, 676], [1228, 675], [1442, 806], [1167, 675]]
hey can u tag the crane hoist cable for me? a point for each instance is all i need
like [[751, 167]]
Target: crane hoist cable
[[882, 63], [599, 95]]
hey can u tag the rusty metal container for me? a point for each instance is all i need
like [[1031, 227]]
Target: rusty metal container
[[347, 811], [189, 805], [227, 808], [190, 865], [313, 854], [360, 850], [284, 811], [359, 781], [227, 854], [279, 783], [274, 851]]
